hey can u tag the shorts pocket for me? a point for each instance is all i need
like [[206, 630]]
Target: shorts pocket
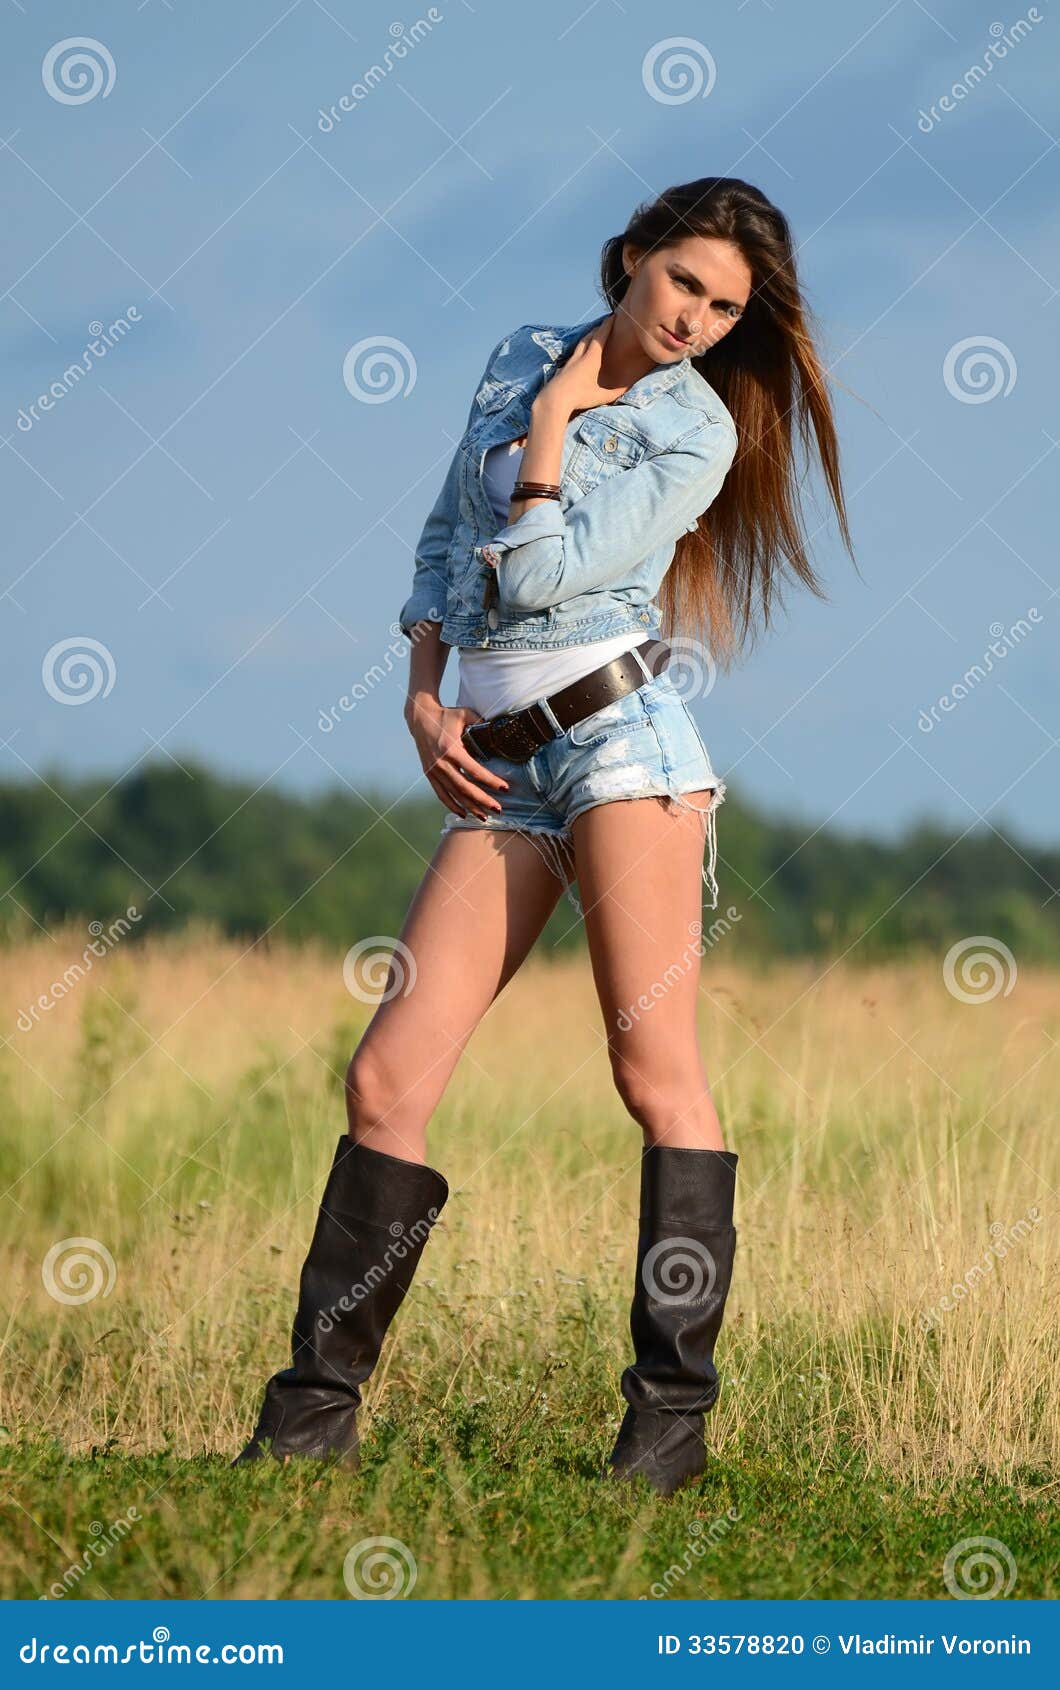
[[623, 715]]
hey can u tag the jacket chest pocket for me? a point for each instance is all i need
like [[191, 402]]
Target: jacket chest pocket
[[601, 452]]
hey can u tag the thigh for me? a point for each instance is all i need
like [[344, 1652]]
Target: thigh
[[476, 915], [639, 871]]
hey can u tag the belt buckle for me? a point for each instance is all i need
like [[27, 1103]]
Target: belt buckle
[[511, 736]]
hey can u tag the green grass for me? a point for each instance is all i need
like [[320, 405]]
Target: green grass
[[886, 1134], [540, 1524]]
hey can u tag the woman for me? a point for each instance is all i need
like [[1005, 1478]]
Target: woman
[[598, 463]]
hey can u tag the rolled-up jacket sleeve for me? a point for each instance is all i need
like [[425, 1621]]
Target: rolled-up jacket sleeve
[[547, 555], [426, 601]]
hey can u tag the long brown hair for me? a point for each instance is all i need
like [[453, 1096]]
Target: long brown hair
[[725, 573]]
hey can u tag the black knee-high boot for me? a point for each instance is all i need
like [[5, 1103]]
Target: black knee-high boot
[[375, 1217], [685, 1253]]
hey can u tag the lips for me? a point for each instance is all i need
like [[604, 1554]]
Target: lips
[[674, 337]]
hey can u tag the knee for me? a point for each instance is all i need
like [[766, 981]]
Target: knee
[[371, 1090], [655, 1102]]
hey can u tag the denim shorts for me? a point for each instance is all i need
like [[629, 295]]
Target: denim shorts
[[644, 745]]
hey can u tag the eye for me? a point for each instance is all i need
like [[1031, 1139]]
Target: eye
[[682, 282]]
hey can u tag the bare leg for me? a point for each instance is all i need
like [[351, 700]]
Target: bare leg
[[475, 917], [639, 872]]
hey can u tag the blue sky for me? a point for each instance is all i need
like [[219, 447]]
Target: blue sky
[[213, 506]]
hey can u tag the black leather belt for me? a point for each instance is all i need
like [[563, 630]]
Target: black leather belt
[[517, 734]]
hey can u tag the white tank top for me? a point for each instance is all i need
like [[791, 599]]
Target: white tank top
[[496, 679]]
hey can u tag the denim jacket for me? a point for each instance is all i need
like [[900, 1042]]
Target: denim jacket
[[635, 475]]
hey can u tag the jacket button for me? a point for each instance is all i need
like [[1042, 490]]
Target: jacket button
[[493, 616], [609, 445]]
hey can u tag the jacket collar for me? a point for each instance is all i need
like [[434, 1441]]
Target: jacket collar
[[556, 341]]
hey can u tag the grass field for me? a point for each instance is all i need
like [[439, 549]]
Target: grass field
[[178, 1108]]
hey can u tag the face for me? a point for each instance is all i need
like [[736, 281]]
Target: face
[[683, 299]]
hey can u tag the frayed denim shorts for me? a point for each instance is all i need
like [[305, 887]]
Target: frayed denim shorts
[[644, 745]]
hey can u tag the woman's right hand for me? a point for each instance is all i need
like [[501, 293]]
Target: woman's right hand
[[447, 763]]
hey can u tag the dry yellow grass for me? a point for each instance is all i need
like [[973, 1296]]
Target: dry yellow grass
[[180, 1106]]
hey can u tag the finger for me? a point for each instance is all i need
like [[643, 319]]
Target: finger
[[467, 791], [471, 764], [457, 809]]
